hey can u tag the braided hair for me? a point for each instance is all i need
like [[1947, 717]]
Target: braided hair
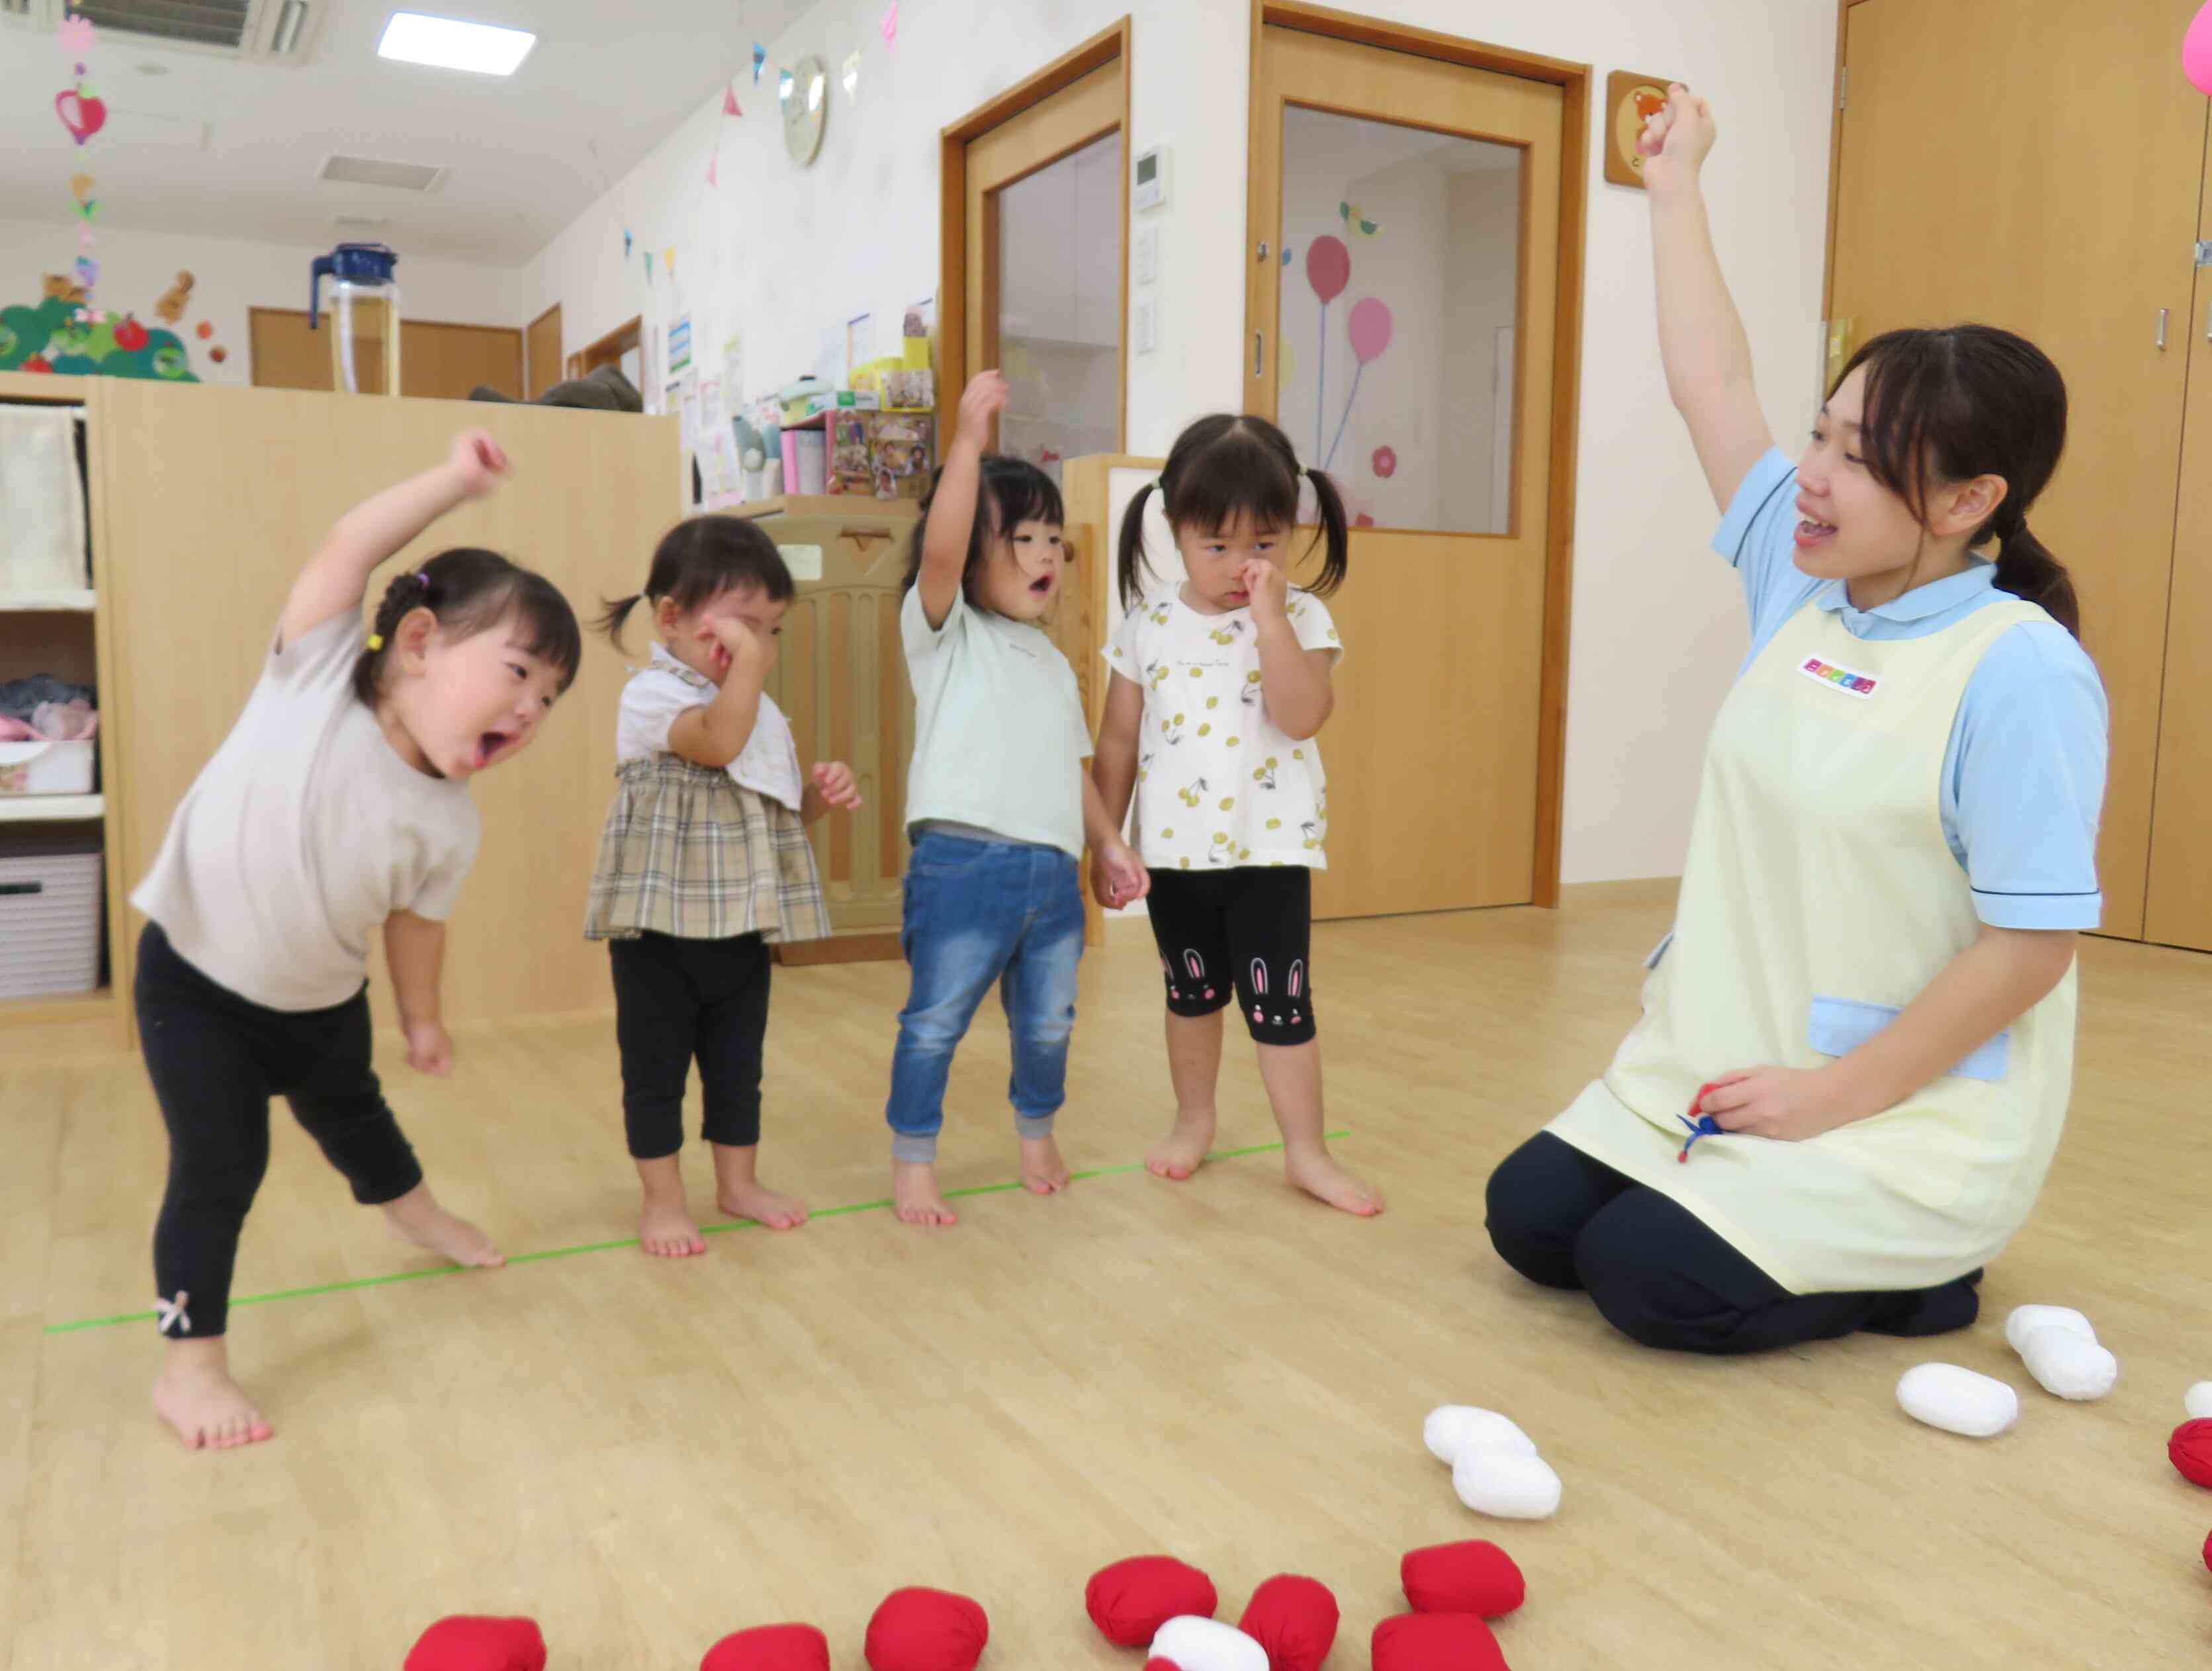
[[467, 590]]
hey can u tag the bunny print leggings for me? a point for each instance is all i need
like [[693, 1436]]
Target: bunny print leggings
[[1244, 934]]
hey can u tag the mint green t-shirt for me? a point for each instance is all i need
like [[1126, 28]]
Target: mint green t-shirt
[[999, 737]]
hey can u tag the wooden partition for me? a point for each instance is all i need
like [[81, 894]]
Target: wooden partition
[[215, 498]]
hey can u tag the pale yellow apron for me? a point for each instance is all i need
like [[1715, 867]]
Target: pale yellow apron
[[1820, 898]]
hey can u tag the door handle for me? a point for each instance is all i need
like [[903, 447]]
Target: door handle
[[1259, 354], [2162, 326]]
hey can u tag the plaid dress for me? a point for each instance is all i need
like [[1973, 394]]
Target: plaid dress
[[688, 851]]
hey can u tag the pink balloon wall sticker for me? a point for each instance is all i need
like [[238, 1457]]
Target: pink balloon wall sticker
[[2196, 52], [1328, 269], [1369, 328]]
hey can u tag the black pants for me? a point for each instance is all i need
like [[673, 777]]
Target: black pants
[[215, 1059], [1664, 1280], [1245, 933], [679, 999]]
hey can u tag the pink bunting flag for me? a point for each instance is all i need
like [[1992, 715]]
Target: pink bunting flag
[[730, 103], [713, 162], [890, 26]]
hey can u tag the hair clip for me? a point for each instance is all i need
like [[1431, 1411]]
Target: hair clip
[[376, 641], [423, 578]]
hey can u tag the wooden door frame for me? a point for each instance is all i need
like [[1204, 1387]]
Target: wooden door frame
[[1574, 81], [529, 371], [1103, 48], [608, 349], [1835, 183]]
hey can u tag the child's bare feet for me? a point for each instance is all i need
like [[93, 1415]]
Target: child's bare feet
[[417, 1216], [738, 1193], [1043, 1172], [195, 1394], [1182, 1151], [762, 1206], [665, 1229], [915, 1195], [1315, 1172]]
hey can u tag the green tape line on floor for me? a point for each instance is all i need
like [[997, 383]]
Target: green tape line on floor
[[882, 1206]]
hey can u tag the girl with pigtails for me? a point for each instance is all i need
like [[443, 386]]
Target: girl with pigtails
[[1221, 683]]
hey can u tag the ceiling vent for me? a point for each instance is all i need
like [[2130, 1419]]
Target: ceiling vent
[[253, 31], [369, 170]]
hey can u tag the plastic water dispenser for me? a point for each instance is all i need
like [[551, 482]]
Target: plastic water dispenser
[[362, 294]]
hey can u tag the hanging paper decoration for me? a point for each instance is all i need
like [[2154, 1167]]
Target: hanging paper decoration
[[648, 266], [80, 109], [203, 331], [1370, 328], [77, 36], [668, 260], [730, 103], [177, 298], [1384, 463], [1349, 214], [626, 243], [891, 26], [852, 76], [760, 61]]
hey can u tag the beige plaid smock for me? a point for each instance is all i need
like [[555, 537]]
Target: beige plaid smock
[[691, 851]]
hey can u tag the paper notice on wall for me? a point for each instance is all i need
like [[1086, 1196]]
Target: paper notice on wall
[[717, 468], [680, 345], [733, 372], [711, 415]]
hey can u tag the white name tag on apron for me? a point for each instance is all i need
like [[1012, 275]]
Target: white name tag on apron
[[1848, 680]]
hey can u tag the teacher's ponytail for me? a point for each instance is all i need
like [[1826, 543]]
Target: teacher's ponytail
[[1963, 402]]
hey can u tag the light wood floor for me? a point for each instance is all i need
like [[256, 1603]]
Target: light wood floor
[[646, 1456]]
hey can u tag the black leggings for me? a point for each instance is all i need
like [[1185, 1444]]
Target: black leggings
[[675, 1000], [1662, 1278], [215, 1059]]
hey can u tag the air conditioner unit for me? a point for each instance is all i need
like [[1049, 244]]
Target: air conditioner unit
[[276, 32]]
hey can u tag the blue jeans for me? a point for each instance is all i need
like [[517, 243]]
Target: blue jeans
[[979, 912]]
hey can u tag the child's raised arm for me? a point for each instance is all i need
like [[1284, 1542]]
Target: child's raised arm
[[1701, 336], [944, 542], [373, 531]]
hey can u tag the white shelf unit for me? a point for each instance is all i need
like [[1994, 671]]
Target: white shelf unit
[[46, 603], [52, 809]]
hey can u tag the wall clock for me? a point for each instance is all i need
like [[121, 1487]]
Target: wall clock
[[803, 90]]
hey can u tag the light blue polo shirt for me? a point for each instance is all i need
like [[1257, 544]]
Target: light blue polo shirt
[[2024, 775]]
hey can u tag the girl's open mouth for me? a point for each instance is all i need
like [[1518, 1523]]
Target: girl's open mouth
[[1041, 586], [489, 743], [1811, 533]]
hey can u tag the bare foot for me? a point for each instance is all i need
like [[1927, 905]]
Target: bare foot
[[762, 1206], [666, 1230], [1043, 1172], [915, 1195], [417, 1216], [1182, 1151], [195, 1394], [1320, 1176]]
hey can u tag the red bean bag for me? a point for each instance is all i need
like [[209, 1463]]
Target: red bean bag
[[1294, 1619], [1472, 1576], [770, 1647], [2208, 1552], [1130, 1600], [465, 1643], [1437, 1642], [1162, 1665], [926, 1630], [2189, 1450]]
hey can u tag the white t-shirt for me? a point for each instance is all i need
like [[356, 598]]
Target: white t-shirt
[[303, 835], [1217, 782], [658, 694], [1000, 735]]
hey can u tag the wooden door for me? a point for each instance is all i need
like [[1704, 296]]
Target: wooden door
[[542, 346], [2177, 902], [437, 362], [1406, 232], [2070, 220], [225, 495], [1046, 222]]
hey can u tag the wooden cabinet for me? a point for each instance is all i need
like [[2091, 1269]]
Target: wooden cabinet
[[2078, 229]]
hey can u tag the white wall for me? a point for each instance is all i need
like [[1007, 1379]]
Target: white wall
[[791, 254], [230, 276]]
